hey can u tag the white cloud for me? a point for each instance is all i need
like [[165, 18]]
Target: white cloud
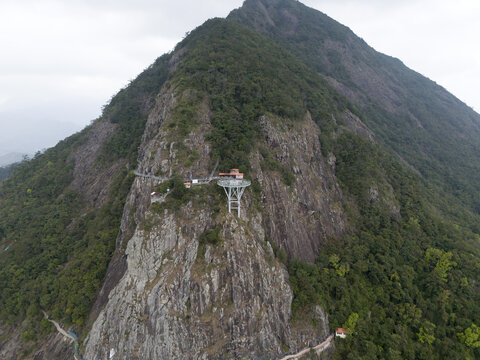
[[3, 100]]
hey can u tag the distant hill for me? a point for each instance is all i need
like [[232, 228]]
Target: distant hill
[[10, 158]]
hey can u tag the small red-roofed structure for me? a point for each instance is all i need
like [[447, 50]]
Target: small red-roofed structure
[[341, 332], [234, 173]]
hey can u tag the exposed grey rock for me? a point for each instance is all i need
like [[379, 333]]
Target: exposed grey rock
[[90, 179], [55, 346], [233, 300], [356, 125], [301, 216], [373, 193], [171, 305]]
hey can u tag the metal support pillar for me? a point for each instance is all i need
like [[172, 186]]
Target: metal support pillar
[[234, 194], [234, 190]]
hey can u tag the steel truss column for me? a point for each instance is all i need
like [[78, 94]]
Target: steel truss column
[[234, 190]]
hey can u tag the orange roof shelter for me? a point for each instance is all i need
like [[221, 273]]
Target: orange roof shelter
[[233, 173]]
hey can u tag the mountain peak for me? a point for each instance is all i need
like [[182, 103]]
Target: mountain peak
[[288, 17], [379, 85]]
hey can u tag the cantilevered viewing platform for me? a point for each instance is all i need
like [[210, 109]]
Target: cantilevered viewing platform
[[232, 182]]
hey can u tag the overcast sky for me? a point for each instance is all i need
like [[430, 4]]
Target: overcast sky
[[61, 60]]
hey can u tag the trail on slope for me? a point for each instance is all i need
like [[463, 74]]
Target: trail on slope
[[318, 349], [68, 335], [59, 329]]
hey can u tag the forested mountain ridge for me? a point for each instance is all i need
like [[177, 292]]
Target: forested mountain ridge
[[411, 115], [364, 237]]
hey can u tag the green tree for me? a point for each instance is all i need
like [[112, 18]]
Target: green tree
[[471, 336], [351, 322], [426, 333], [340, 269], [441, 260]]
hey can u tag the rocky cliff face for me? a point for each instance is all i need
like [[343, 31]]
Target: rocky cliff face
[[301, 215], [182, 298], [173, 304]]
